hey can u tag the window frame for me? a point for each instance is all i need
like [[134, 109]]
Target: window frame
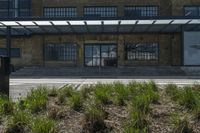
[[11, 52], [143, 6], [195, 6], [102, 10], [75, 54], [63, 7], [146, 43], [13, 11]]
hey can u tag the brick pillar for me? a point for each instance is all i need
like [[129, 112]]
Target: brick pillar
[[120, 51]]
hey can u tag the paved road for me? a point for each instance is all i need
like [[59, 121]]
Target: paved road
[[20, 86]]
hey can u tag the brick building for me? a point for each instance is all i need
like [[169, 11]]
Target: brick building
[[106, 33]]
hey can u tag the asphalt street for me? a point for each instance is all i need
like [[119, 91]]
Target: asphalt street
[[20, 86]]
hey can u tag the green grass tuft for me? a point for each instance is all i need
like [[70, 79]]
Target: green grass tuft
[[64, 92], [180, 125], [102, 93], [121, 93], [6, 106], [19, 122], [43, 125], [36, 100], [75, 101]]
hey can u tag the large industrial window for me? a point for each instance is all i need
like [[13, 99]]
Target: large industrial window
[[60, 52], [141, 11], [142, 51], [192, 10], [100, 54], [15, 8], [15, 52], [60, 12], [100, 11]]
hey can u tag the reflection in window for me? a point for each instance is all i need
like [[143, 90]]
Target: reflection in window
[[100, 11], [141, 11], [60, 52], [192, 10], [100, 55], [60, 12], [142, 51]]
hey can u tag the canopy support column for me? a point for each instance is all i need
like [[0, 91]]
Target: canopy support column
[[8, 41]]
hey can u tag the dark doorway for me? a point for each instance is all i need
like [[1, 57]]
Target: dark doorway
[[100, 54]]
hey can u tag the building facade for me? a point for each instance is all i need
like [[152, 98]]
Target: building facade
[[151, 33]]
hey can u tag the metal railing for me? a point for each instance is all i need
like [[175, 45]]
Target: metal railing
[[4, 75]]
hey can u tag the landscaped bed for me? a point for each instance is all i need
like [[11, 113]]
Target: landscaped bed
[[104, 108]]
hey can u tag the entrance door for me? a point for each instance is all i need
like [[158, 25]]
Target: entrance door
[[103, 55]]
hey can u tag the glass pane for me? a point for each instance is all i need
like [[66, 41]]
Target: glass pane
[[60, 52], [141, 11], [100, 11], [191, 11], [104, 51], [88, 61], [96, 50], [88, 51], [142, 51]]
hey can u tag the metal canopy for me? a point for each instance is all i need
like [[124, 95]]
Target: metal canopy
[[27, 26]]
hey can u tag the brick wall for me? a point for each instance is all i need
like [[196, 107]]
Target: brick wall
[[32, 48]]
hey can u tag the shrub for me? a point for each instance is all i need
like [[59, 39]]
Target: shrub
[[181, 125], [19, 122], [36, 100], [43, 125], [121, 93], [6, 106], [102, 93], [75, 101]]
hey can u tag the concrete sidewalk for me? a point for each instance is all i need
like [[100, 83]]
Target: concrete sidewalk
[[20, 86]]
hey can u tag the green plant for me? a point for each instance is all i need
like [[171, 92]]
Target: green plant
[[19, 122], [43, 125], [121, 93], [6, 105], [151, 94], [140, 103], [94, 115], [53, 92], [64, 92], [197, 111], [181, 125], [173, 91], [189, 98], [102, 93], [75, 101], [86, 91], [36, 100]]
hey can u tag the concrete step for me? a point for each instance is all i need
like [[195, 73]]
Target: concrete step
[[75, 71]]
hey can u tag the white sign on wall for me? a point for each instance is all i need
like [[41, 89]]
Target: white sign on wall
[[191, 48]]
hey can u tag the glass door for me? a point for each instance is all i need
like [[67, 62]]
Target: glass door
[[100, 55]]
